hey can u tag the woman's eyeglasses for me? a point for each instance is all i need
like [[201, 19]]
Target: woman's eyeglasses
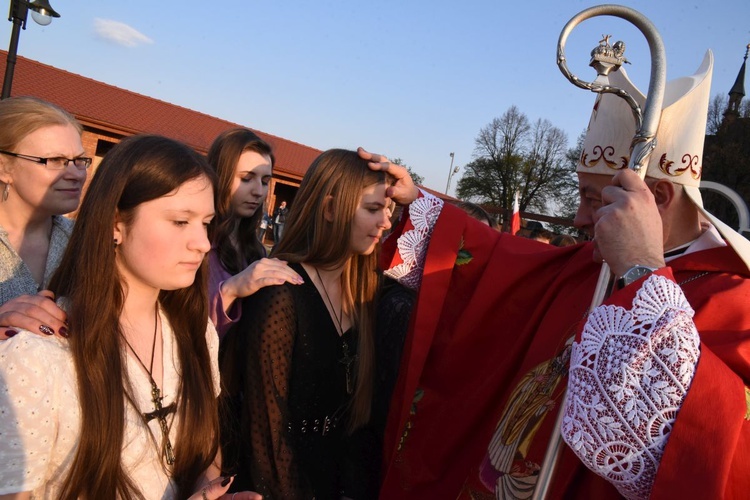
[[55, 163]]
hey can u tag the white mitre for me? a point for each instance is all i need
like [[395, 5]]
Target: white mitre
[[678, 153]]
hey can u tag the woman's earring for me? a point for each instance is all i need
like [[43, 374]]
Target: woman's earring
[[6, 191], [116, 242]]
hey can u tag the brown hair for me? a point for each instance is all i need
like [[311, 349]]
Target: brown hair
[[476, 212], [223, 156], [310, 238], [562, 240], [137, 170]]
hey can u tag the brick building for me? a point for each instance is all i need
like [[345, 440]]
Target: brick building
[[108, 114]]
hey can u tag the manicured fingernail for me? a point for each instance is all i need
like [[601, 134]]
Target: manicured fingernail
[[227, 479], [10, 333], [46, 330], [63, 331]]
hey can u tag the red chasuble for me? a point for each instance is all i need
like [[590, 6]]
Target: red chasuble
[[484, 369]]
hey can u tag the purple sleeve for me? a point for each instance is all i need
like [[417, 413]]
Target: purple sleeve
[[217, 275]]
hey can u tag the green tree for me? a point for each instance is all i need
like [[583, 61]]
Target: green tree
[[418, 179], [510, 155]]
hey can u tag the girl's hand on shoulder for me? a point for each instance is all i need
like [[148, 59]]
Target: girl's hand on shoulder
[[217, 489], [36, 313], [261, 273]]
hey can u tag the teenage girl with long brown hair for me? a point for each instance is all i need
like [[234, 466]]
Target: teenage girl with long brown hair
[[301, 360], [126, 407], [237, 265]]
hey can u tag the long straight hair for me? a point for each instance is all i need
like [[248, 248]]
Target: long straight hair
[[223, 156], [339, 176], [139, 169]]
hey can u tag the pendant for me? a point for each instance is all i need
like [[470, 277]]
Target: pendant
[[348, 361], [160, 413]]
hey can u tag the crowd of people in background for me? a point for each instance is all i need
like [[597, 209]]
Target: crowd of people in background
[[151, 346]]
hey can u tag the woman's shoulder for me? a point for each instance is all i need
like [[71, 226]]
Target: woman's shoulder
[[285, 291]]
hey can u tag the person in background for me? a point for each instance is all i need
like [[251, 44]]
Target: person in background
[[279, 219], [43, 169], [541, 234], [302, 357], [126, 406], [562, 240], [238, 266], [477, 212]]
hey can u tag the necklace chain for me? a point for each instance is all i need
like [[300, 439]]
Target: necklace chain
[[330, 303], [160, 412], [347, 360]]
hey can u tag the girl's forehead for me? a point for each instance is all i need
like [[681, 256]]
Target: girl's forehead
[[377, 189]]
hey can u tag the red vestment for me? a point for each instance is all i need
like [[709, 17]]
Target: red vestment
[[493, 311]]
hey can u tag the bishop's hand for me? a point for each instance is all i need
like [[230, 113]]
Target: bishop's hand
[[628, 227]]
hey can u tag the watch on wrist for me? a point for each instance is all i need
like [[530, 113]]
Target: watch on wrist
[[634, 274]]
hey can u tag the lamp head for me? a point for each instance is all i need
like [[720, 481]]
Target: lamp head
[[42, 12]]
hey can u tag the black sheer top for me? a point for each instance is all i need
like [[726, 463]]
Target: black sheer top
[[291, 401]]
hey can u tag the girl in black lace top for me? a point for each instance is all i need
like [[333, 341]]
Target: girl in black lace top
[[299, 366]]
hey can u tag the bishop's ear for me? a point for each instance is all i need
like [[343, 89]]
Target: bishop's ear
[[664, 193]]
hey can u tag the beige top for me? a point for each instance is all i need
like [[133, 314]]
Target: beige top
[[40, 416]]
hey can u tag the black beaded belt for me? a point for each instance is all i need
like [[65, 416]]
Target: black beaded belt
[[320, 426]]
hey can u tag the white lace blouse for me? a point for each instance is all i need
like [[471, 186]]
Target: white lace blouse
[[40, 415]]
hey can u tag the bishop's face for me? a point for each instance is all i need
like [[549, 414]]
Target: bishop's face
[[590, 200]]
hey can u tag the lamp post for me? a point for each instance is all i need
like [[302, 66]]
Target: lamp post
[[41, 12], [451, 171]]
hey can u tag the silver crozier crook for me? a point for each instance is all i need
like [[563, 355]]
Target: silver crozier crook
[[606, 59]]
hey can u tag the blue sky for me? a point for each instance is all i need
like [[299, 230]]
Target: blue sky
[[412, 79]]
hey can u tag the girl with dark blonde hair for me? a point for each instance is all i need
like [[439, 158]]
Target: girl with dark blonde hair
[[126, 406], [300, 363]]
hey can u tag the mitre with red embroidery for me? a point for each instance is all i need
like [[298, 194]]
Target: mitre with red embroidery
[[678, 153]]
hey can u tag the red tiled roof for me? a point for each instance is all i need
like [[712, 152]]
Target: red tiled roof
[[99, 104]]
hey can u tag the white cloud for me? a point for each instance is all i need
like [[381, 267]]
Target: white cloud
[[119, 33]]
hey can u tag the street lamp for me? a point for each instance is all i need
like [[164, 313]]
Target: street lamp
[[41, 13], [451, 171]]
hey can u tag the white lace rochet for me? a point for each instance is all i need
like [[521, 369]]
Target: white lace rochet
[[628, 378], [412, 245]]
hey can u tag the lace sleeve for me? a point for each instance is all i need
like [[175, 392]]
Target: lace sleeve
[[30, 386], [629, 376], [270, 320], [412, 245]]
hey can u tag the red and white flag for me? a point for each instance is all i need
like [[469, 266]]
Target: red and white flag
[[515, 219]]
